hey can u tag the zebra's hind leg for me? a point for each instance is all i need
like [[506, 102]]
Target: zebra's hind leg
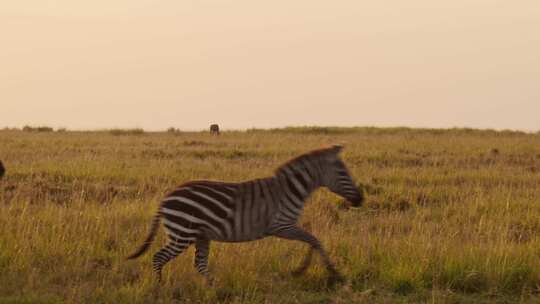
[[202, 249], [297, 233], [167, 253]]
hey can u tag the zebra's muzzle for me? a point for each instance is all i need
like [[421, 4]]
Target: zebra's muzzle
[[357, 201]]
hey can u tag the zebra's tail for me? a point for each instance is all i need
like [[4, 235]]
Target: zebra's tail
[[149, 238]]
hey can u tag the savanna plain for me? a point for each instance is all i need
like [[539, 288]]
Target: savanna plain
[[450, 216]]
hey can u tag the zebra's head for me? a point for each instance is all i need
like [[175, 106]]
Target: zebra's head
[[336, 177]]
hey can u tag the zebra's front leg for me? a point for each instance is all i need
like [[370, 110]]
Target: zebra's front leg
[[305, 263], [202, 249], [297, 233]]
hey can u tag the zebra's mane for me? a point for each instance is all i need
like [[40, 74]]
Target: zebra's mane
[[309, 156]]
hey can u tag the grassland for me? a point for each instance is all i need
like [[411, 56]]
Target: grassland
[[451, 216]]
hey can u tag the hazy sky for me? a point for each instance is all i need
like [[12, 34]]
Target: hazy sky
[[242, 63]]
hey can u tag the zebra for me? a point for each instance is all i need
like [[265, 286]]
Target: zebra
[[199, 212], [214, 129]]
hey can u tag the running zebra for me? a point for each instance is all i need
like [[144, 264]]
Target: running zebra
[[202, 211]]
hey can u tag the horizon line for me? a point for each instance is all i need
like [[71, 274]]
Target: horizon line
[[255, 128]]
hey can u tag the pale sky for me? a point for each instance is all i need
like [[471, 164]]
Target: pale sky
[[156, 64]]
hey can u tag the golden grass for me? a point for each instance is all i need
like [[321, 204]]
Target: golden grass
[[452, 216]]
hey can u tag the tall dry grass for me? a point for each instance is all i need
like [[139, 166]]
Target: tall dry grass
[[452, 216]]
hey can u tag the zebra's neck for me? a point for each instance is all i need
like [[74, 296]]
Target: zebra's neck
[[296, 182]]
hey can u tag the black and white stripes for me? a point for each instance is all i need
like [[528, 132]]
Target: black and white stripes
[[199, 212]]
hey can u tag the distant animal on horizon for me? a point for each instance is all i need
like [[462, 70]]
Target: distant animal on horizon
[[199, 212], [2, 169], [214, 129]]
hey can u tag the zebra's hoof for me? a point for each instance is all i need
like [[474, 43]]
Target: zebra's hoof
[[336, 278], [210, 281]]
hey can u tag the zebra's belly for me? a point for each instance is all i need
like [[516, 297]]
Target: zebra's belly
[[239, 240], [239, 236]]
